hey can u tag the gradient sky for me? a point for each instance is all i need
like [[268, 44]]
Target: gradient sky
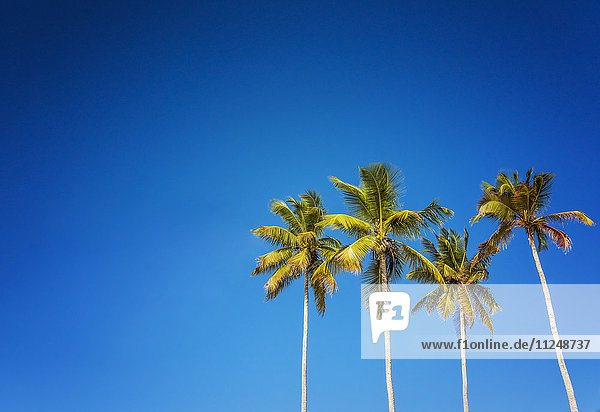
[[141, 141]]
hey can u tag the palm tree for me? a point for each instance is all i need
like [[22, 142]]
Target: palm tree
[[521, 204], [301, 249], [375, 217], [460, 295]]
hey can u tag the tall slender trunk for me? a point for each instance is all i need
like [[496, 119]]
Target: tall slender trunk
[[554, 329], [304, 343], [463, 362], [388, 350]]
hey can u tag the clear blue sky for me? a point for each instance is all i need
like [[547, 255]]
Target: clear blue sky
[[141, 141]]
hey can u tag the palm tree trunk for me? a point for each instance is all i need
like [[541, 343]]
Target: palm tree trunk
[[554, 329], [304, 343], [463, 362], [388, 351]]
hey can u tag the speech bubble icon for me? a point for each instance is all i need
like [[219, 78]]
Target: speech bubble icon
[[388, 311]]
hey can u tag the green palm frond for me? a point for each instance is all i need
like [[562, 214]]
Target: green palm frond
[[301, 260], [403, 217], [282, 278], [541, 191], [450, 273], [405, 224], [329, 242], [313, 200], [283, 210], [354, 197], [430, 249], [381, 185], [505, 183], [319, 294], [416, 261], [349, 258], [372, 275], [272, 260], [323, 275], [348, 224], [495, 209], [277, 236], [436, 215], [421, 275]]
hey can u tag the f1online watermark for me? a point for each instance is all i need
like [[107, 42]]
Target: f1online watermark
[[487, 321], [507, 343]]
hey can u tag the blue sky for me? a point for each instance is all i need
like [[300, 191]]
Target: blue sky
[[142, 141]]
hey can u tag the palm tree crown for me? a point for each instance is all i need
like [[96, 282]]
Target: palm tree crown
[[376, 217], [461, 275], [301, 248], [514, 203]]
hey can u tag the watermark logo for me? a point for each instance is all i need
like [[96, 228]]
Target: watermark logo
[[388, 311]]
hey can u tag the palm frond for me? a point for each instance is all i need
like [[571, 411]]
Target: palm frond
[[313, 199], [416, 261], [405, 224], [482, 296], [354, 197], [564, 217], [381, 184], [329, 242], [436, 215], [421, 275], [283, 210], [495, 209], [542, 191], [430, 301], [301, 260], [319, 294], [498, 240], [372, 274], [325, 277], [450, 274], [277, 236], [348, 224], [560, 238], [430, 249], [272, 260], [541, 238], [463, 299], [350, 257], [282, 278], [446, 305], [485, 296]]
